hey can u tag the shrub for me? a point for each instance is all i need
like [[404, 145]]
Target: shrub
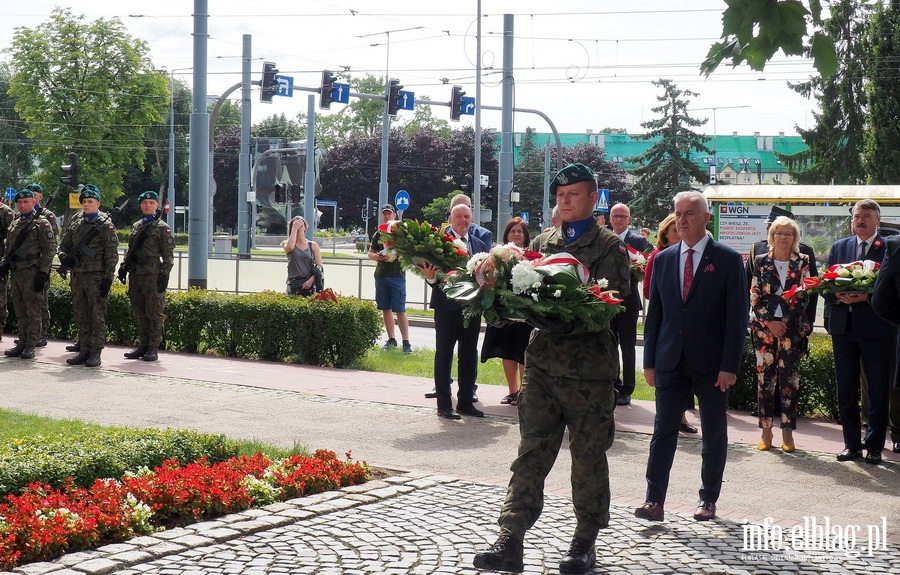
[[89, 455], [817, 396], [124, 235]]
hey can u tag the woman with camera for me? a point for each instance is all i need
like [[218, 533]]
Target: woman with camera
[[304, 260]]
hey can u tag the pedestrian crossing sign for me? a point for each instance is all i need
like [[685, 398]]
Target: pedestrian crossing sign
[[602, 200]]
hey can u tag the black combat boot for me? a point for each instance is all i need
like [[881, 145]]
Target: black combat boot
[[27, 352], [580, 558], [93, 360], [15, 351], [504, 555], [80, 358], [138, 353], [151, 354], [41, 342], [74, 347]]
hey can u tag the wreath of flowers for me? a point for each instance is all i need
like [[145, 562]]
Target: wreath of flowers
[[637, 263], [417, 242], [510, 283], [855, 277]]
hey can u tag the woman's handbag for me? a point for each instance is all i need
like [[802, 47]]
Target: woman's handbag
[[295, 286], [320, 277]]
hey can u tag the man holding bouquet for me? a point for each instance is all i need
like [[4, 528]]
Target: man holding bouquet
[[858, 335], [569, 375]]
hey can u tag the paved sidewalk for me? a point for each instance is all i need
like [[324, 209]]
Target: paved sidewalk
[[443, 506]]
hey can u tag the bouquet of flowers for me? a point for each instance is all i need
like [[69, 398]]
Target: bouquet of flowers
[[637, 263], [415, 243], [510, 283], [855, 277]]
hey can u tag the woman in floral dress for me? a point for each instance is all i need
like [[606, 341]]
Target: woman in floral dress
[[778, 329]]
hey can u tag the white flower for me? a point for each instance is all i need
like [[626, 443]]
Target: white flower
[[603, 283], [524, 277], [534, 296], [460, 245], [557, 293], [474, 261]]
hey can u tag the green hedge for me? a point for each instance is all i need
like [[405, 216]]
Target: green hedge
[[180, 239], [267, 325], [104, 453], [817, 396]]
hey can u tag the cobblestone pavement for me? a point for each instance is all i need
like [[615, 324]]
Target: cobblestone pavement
[[422, 524]]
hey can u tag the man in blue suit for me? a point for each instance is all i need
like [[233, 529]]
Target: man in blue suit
[[693, 340], [858, 335], [450, 330]]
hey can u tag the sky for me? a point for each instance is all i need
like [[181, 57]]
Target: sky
[[586, 64]]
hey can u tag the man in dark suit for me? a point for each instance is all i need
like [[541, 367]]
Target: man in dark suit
[[763, 247], [624, 325], [475, 229], [693, 340], [886, 304], [449, 330], [858, 335]]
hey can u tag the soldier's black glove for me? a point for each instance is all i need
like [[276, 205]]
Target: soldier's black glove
[[104, 286], [162, 282], [123, 273], [551, 326], [501, 323], [67, 260], [40, 281], [4, 267]]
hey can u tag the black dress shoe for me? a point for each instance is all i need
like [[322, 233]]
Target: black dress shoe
[[873, 457], [431, 394], [688, 428], [504, 555], [623, 400], [448, 414], [580, 558], [470, 410], [849, 454], [896, 448]]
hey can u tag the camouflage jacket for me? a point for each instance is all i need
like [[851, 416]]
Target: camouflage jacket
[[156, 254], [6, 218], [583, 354], [100, 254], [36, 249]]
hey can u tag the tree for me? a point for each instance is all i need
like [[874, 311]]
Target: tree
[[754, 30], [836, 142], [424, 119], [89, 88], [882, 139], [15, 149], [665, 167], [359, 117], [229, 117], [278, 126]]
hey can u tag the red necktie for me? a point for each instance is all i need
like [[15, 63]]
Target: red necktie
[[688, 274]]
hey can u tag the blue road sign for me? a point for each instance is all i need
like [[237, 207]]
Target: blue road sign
[[525, 217], [468, 106], [326, 203], [10, 194], [284, 86], [603, 200], [340, 93], [407, 100], [401, 200]]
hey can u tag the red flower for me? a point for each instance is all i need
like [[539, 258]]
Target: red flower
[[532, 256], [877, 243]]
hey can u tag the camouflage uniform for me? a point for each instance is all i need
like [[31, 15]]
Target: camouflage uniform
[[6, 218], [34, 255], [569, 384], [96, 265], [153, 261], [45, 302]]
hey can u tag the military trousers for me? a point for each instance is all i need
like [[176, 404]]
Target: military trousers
[[27, 304], [89, 309], [147, 306], [547, 407], [4, 295]]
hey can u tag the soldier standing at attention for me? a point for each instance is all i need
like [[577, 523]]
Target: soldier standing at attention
[[147, 264], [6, 218], [89, 248], [30, 247], [569, 384], [38, 192]]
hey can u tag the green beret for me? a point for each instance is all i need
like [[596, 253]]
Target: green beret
[[37, 188], [571, 174], [26, 193], [89, 191], [149, 196], [599, 212]]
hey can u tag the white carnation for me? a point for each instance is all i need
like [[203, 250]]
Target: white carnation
[[474, 261], [524, 277]]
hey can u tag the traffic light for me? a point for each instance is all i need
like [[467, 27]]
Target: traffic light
[[456, 103], [70, 172], [394, 97], [268, 83], [280, 193], [327, 88]]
